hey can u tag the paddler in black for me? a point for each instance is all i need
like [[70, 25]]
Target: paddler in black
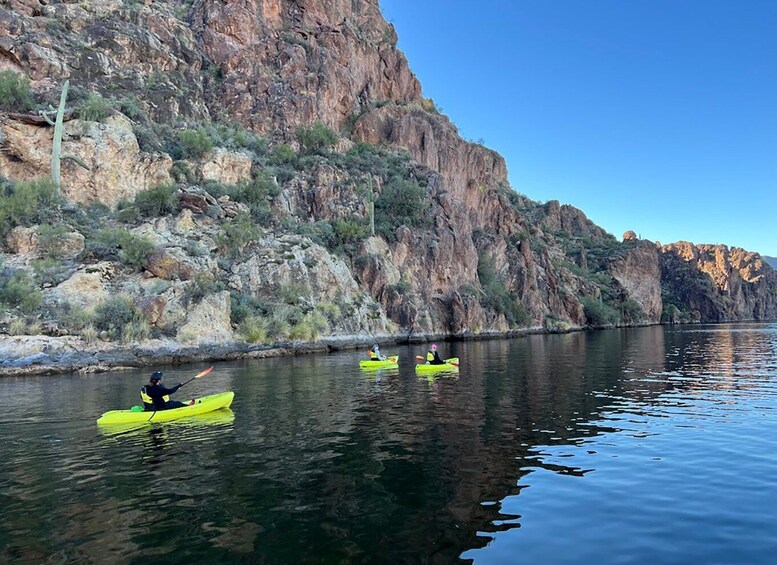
[[156, 397], [433, 358]]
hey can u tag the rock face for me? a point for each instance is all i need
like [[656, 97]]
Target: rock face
[[717, 283], [225, 167], [117, 168], [208, 321]]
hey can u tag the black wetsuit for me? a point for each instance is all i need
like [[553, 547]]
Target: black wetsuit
[[157, 393], [435, 358]]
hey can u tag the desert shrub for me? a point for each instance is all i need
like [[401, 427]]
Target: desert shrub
[[598, 313], [316, 139], [194, 143], [27, 203], [256, 194], [120, 318], [402, 202], [118, 244], [18, 290], [50, 271], [136, 330], [94, 109], [282, 154], [244, 306], [158, 200], [632, 311], [182, 172], [253, 329], [50, 240], [74, 318], [15, 93], [293, 293], [330, 310], [201, 286], [237, 234]]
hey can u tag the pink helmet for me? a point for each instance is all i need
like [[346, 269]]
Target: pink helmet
[[434, 346]]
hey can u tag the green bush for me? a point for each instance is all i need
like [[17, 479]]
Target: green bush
[[253, 330], [27, 203], [316, 139], [17, 290], [74, 318], [118, 244], [237, 234], [15, 93], [50, 271], [94, 109], [201, 286], [194, 143], [158, 200], [598, 313], [119, 317], [293, 293], [50, 240], [282, 154], [402, 202], [256, 194]]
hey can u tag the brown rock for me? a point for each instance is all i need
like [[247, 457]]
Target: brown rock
[[169, 265]]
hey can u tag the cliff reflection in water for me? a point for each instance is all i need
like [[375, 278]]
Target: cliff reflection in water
[[322, 462]]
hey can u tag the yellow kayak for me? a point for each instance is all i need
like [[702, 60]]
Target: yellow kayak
[[451, 364], [388, 362], [200, 406], [220, 417]]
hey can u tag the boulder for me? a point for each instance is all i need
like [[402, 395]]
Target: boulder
[[83, 289], [208, 321], [225, 167], [170, 265]]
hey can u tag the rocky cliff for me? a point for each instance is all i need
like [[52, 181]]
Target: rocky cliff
[[232, 153]]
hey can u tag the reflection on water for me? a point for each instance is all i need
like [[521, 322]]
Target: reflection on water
[[613, 446]]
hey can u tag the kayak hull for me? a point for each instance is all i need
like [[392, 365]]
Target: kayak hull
[[447, 366], [201, 406], [392, 361]]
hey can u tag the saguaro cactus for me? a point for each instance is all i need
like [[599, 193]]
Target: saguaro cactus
[[56, 146]]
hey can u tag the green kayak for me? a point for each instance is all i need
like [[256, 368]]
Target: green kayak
[[388, 362], [451, 364], [200, 406]]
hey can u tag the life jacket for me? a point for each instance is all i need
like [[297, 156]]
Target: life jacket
[[430, 356], [148, 402], [374, 356]]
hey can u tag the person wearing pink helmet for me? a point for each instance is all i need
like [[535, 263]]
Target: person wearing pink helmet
[[432, 357]]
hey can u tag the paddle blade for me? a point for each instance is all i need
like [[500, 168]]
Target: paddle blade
[[419, 358], [202, 374]]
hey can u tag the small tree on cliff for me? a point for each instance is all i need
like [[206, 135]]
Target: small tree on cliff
[[316, 139]]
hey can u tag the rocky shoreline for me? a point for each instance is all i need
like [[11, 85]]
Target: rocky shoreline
[[41, 355]]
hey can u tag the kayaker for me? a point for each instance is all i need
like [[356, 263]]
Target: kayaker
[[432, 357], [156, 397], [375, 354]]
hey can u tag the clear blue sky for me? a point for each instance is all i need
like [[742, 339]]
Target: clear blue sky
[[658, 116]]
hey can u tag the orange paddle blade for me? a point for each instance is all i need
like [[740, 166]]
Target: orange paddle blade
[[419, 358], [202, 374]]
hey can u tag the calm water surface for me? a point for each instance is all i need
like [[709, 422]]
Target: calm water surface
[[625, 446]]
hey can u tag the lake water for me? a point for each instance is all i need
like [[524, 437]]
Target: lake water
[[648, 445]]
